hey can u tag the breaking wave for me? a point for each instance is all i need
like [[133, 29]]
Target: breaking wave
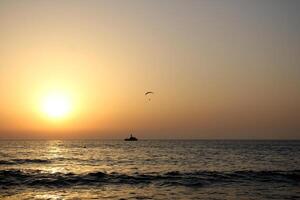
[[11, 178], [23, 161]]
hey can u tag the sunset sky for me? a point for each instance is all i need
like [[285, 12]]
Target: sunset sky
[[218, 69]]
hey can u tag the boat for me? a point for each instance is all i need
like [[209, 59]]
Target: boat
[[131, 138]]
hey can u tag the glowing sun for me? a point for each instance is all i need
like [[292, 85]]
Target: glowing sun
[[56, 105]]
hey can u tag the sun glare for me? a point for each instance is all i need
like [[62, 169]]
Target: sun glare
[[56, 105]]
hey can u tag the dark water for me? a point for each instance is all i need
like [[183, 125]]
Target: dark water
[[150, 170]]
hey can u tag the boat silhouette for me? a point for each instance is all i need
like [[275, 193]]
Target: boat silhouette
[[131, 138]]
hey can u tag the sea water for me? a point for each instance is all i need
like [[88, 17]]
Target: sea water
[[149, 169]]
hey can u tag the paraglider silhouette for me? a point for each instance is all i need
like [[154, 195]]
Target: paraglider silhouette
[[148, 94]]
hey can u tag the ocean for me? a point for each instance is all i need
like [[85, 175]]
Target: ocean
[[149, 169]]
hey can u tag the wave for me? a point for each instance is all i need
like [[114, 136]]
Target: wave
[[23, 161], [11, 178]]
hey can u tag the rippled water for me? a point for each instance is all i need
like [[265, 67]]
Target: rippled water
[[152, 169]]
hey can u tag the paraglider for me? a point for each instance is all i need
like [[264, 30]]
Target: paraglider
[[148, 94]]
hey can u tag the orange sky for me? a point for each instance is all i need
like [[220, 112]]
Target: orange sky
[[226, 70]]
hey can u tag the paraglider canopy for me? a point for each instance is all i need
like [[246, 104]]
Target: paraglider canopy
[[149, 93]]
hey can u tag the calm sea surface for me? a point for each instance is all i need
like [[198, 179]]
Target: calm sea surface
[[195, 169]]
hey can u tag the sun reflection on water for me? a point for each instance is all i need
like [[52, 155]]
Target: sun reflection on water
[[55, 151], [48, 196]]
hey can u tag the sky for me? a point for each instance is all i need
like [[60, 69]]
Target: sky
[[219, 69]]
